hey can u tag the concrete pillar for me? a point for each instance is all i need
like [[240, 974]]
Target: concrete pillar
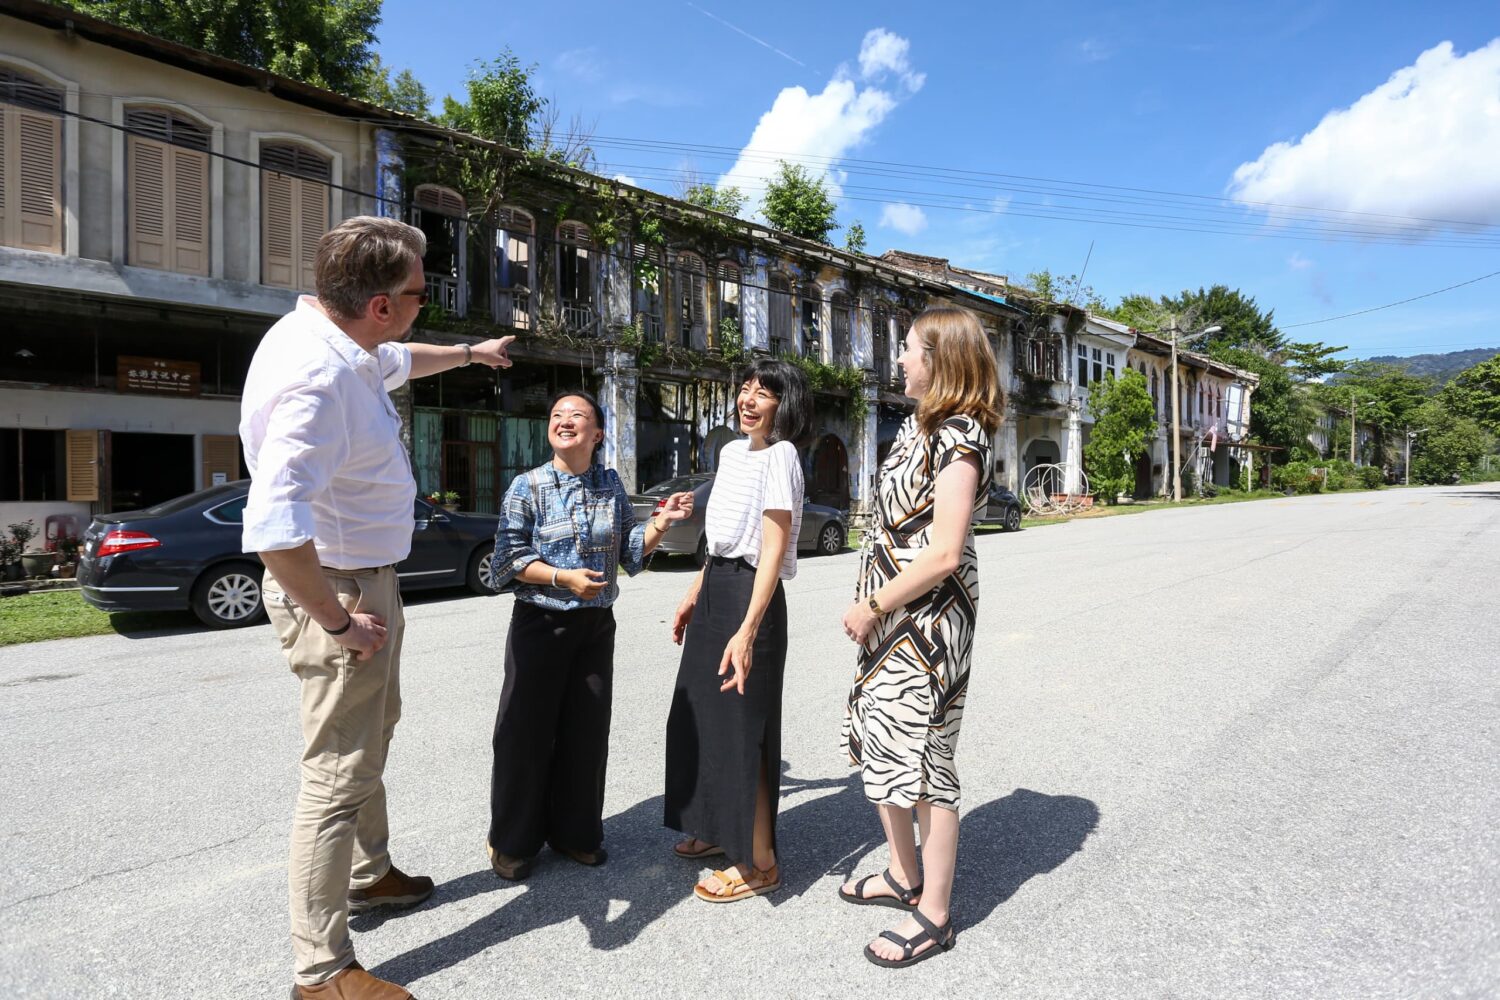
[[1009, 447], [1073, 449], [863, 448], [619, 383]]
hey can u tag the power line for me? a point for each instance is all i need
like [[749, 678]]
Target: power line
[[1391, 305]]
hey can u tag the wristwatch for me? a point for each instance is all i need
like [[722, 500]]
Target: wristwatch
[[875, 606], [468, 356]]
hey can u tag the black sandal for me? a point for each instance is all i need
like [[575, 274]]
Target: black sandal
[[943, 937], [905, 899]]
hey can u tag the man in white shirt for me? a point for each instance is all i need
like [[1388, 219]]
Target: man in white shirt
[[330, 514]]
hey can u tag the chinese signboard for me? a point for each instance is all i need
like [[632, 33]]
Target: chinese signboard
[[157, 376]]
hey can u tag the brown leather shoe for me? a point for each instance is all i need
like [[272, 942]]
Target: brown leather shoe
[[394, 889], [352, 983], [509, 868], [591, 858]]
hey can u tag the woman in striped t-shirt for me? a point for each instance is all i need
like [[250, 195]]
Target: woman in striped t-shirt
[[724, 730]]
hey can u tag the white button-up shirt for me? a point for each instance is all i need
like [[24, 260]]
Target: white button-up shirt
[[323, 445]]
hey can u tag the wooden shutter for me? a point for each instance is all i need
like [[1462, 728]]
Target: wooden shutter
[[39, 149], [83, 465], [189, 185], [277, 243], [221, 453], [312, 224], [146, 168], [7, 125]]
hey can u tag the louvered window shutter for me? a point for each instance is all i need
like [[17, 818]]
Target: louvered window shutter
[[39, 147], [221, 453], [279, 265], [6, 127], [312, 224], [189, 184], [83, 466], [147, 213]]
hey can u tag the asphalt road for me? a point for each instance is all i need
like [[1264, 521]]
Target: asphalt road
[[1238, 751]]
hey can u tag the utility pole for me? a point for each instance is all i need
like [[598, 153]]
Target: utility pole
[[1353, 406], [1176, 415], [1409, 436]]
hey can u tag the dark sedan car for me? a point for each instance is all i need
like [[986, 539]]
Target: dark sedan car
[[1002, 508], [185, 553], [823, 528]]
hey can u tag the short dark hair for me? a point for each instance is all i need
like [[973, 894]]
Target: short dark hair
[[587, 397], [361, 258], [794, 411]]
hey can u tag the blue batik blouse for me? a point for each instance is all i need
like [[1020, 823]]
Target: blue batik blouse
[[570, 522]]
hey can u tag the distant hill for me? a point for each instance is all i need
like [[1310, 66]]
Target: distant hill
[[1440, 367]]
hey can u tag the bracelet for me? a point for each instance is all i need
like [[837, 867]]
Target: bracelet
[[875, 606], [554, 577], [663, 528], [345, 628], [468, 356]]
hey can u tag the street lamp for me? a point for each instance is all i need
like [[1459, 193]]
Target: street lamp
[[1177, 411]]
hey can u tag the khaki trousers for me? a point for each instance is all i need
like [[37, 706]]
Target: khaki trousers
[[349, 711]]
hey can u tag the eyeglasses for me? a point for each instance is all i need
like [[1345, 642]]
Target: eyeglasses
[[422, 295]]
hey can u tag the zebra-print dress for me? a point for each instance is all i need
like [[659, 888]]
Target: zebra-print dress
[[903, 716]]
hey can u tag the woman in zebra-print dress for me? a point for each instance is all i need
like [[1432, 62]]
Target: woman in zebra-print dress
[[914, 619]]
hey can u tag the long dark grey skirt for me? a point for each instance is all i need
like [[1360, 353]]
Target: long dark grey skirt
[[718, 741]]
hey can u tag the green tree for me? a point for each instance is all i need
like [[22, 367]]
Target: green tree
[[501, 103], [1475, 393], [402, 92], [1451, 448], [326, 43], [1241, 321], [799, 203], [854, 237], [1124, 426], [728, 200], [1068, 290]]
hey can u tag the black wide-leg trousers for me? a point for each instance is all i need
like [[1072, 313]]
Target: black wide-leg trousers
[[552, 731]]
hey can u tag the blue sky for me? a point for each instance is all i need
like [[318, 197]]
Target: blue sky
[[1378, 115]]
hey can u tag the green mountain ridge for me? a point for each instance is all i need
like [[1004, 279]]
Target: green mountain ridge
[[1439, 367]]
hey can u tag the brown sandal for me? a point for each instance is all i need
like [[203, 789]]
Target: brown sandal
[[705, 850], [736, 888]]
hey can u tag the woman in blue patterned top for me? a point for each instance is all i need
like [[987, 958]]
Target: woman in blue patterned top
[[565, 529]]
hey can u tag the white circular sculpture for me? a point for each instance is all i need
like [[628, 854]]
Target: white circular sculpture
[[1046, 489]]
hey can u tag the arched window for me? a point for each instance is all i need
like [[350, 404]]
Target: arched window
[[880, 341], [1155, 391], [31, 212], [647, 260], [729, 297], [782, 315], [442, 215], [167, 191], [295, 206], [812, 319], [841, 314], [575, 276], [515, 277], [692, 300]]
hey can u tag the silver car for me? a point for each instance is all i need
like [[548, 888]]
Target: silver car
[[824, 529]]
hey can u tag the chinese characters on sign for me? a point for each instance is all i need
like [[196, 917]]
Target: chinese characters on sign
[[157, 376]]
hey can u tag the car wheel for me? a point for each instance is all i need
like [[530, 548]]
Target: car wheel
[[1013, 519], [700, 555], [481, 575], [228, 596], [830, 539]]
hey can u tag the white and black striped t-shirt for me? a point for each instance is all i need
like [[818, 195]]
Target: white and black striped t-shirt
[[747, 484]]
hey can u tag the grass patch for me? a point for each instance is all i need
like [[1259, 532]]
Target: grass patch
[[63, 614]]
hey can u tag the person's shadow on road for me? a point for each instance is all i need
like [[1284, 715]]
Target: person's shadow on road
[[1001, 845]]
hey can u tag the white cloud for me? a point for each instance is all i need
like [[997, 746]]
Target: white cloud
[[903, 218], [1297, 262], [626, 179], [1094, 50], [1424, 144], [803, 127], [885, 52], [582, 63]]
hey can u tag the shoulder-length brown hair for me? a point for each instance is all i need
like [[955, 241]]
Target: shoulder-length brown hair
[[964, 377]]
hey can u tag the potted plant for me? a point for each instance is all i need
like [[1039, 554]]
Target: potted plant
[[32, 563], [10, 568], [67, 548], [446, 499]]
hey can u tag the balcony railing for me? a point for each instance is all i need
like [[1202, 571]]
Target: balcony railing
[[1040, 358], [652, 328], [579, 317], [444, 290], [513, 307]]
